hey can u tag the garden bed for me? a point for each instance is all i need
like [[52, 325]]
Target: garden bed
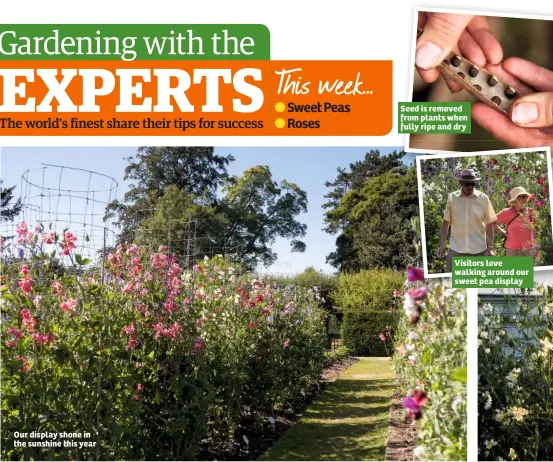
[[291, 412], [401, 434]]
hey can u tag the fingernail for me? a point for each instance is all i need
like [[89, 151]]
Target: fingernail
[[525, 113], [428, 56]]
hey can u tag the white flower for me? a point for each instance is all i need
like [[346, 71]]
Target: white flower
[[418, 451], [412, 357], [487, 350], [410, 346], [413, 335]]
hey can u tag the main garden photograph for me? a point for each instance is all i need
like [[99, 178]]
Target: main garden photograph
[[212, 303]]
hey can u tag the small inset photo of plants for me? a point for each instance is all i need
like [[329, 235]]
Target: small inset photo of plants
[[515, 354], [491, 204]]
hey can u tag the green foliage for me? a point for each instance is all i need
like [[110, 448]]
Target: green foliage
[[8, 212], [431, 356], [372, 207], [368, 290], [515, 379], [500, 174], [175, 203], [336, 356], [361, 332], [153, 362]]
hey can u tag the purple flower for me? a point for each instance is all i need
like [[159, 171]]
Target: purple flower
[[414, 404], [20, 252], [415, 274]]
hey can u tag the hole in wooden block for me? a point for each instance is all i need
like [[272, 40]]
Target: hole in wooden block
[[496, 100], [492, 81], [460, 74], [478, 87], [473, 71]]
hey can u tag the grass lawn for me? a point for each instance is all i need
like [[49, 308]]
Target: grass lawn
[[348, 422]]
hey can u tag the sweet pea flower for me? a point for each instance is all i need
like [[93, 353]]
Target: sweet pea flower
[[48, 238], [286, 343], [396, 293], [140, 387], [415, 274], [69, 305], [11, 343], [413, 404], [36, 300], [15, 332], [57, 287], [419, 293], [26, 285], [25, 270], [382, 337], [68, 242]]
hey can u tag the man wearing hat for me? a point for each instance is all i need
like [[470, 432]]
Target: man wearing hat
[[470, 215]]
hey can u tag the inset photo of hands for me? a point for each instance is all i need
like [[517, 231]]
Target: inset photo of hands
[[509, 79]]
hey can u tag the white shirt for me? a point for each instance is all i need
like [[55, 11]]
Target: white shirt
[[468, 216]]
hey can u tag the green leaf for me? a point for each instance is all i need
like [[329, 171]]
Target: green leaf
[[460, 374], [427, 357], [151, 355]]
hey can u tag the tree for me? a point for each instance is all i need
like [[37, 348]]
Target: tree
[[197, 209], [193, 170], [372, 207], [7, 212]]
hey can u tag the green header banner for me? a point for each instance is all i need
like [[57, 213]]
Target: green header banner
[[434, 118], [130, 42], [493, 272]]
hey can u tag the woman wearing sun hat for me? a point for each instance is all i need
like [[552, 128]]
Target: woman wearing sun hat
[[519, 225]]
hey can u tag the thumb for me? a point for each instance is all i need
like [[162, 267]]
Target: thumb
[[441, 34], [535, 110]]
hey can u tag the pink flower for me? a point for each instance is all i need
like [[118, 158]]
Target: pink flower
[[391, 309], [129, 330], [24, 236], [138, 365], [69, 305], [415, 274], [25, 270], [15, 332], [48, 238], [286, 343], [68, 242], [36, 300], [26, 285], [140, 387], [199, 344], [131, 345], [382, 337], [129, 287], [187, 301], [57, 287], [136, 397], [396, 293], [11, 343], [28, 322], [419, 293]]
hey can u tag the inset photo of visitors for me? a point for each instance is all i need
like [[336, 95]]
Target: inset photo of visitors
[[501, 63], [485, 204]]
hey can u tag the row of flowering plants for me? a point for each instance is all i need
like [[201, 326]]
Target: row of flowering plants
[[153, 360], [431, 365], [515, 364], [499, 174]]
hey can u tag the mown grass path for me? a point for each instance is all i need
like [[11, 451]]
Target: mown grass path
[[348, 422]]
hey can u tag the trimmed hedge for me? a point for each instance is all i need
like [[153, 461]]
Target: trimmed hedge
[[361, 332], [367, 290]]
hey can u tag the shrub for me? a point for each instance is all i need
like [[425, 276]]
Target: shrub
[[431, 358], [361, 332], [152, 359], [515, 357], [368, 290], [336, 356]]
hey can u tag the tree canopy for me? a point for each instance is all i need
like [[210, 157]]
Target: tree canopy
[[8, 212], [186, 199], [372, 206]]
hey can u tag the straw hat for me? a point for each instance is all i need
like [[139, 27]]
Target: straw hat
[[515, 192], [468, 175]]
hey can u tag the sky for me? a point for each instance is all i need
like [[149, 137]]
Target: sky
[[308, 167]]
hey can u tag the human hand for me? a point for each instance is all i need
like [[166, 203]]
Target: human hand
[[530, 122], [489, 252], [465, 34], [440, 253]]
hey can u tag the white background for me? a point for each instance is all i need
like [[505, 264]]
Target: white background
[[337, 30]]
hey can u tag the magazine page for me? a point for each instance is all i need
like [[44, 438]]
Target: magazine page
[[276, 231]]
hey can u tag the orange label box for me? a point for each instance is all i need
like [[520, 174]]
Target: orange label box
[[201, 98]]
